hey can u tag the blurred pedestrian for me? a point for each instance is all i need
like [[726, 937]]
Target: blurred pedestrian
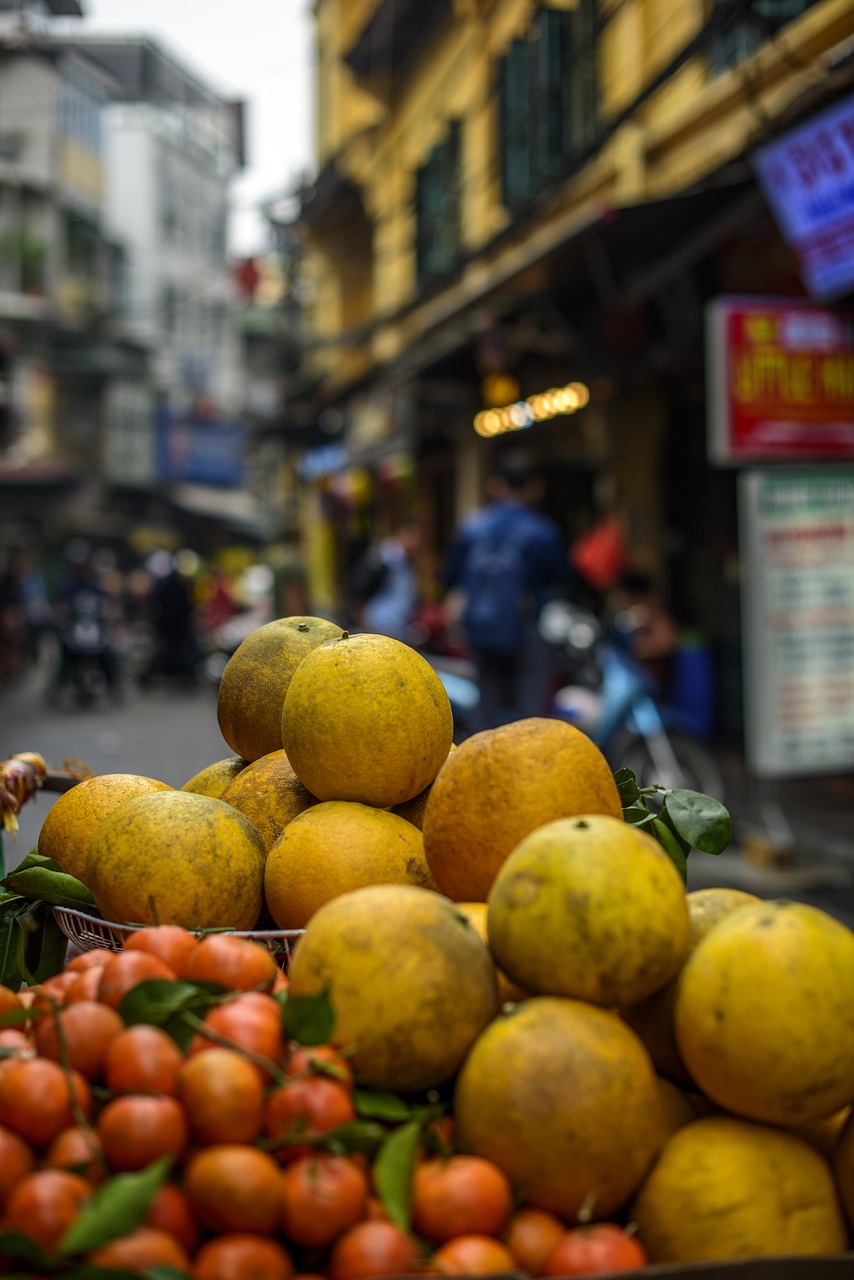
[[648, 625], [84, 617], [383, 589], [175, 647], [503, 564], [13, 618]]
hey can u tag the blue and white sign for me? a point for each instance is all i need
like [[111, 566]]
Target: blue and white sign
[[808, 180], [191, 451]]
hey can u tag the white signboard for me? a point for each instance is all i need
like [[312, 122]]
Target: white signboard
[[797, 543], [808, 180]]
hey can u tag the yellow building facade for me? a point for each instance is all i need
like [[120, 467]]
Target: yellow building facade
[[549, 192]]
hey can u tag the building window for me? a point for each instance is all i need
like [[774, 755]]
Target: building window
[[80, 107], [747, 30], [437, 209], [82, 242], [168, 194], [169, 308], [546, 101]]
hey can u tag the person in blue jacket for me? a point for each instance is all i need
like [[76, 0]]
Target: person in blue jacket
[[505, 561]]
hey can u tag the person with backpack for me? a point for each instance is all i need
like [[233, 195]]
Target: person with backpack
[[504, 562]]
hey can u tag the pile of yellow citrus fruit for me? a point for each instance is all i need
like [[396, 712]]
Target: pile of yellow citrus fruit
[[565, 1062]]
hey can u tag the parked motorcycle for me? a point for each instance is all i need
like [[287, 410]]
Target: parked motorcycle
[[614, 699], [87, 662]]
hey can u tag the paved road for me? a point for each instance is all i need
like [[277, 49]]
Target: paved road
[[165, 733], [170, 734]]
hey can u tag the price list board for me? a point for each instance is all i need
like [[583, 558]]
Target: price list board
[[796, 531]]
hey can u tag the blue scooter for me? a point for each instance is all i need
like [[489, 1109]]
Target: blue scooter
[[614, 700]]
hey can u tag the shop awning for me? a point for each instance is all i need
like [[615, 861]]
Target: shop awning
[[234, 508]]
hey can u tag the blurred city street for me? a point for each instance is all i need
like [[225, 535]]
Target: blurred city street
[[167, 733], [792, 838]]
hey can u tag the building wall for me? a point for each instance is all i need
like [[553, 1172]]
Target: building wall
[[29, 97], [680, 133], [167, 198]]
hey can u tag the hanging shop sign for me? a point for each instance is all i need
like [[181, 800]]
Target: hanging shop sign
[[780, 381], [538, 408], [807, 177], [193, 450], [796, 533]]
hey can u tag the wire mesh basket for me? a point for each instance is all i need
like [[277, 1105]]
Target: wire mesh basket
[[89, 932]]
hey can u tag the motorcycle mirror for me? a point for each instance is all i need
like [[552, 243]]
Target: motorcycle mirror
[[562, 623]]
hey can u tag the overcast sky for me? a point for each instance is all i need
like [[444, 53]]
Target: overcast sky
[[258, 50]]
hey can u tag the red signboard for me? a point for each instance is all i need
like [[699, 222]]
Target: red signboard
[[780, 381]]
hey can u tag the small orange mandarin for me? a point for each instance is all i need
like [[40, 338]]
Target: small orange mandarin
[[142, 1059], [141, 1251], [223, 1095], [237, 963], [472, 1255], [323, 1195], [169, 942], [136, 1129], [38, 1099], [373, 1248], [241, 1256], [312, 1106], [79, 1036], [125, 970], [45, 1203]]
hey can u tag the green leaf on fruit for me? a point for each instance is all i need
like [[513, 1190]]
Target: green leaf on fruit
[[176, 1007], [15, 1018], [699, 819], [32, 945], [393, 1170], [15, 1245], [114, 1209], [157, 1000], [308, 1019], [627, 786], [359, 1137], [637, 815], [672, 846], [43, 883], [376, 1104]]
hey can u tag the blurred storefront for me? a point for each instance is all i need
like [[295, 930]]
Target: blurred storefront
[[556, 223]]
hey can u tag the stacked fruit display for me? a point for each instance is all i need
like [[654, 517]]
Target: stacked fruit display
[[671, 1082]]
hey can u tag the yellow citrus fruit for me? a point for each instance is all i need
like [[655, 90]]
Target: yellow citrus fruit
[[508, 992], [729, 1188], [590, 908], [824, 1134], [75, 816], [366, 718], [214, 778], [843, 1168], [677, 1109], [497, 787], [652, 1019], [270, 794], [410, 982], [175, 857], [562, 1096], [764, 1015], [334, 847], [256, 678], [413, 810]]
